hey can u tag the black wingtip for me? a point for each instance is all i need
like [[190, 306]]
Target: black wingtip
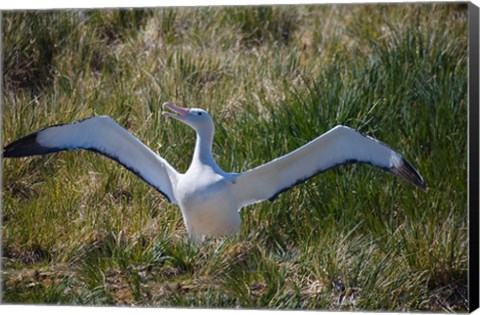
[[26, 146], [410, 174]]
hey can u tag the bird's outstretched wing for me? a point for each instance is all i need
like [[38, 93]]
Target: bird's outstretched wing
[[341, 145], [102, 135]]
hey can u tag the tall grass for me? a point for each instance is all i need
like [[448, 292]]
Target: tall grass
[[80, 229]]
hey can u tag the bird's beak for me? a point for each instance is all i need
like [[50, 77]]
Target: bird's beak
[[178, 112]]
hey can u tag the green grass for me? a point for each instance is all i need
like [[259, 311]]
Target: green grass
[[80, 229]]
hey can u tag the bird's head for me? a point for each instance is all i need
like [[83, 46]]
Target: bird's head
[[196, 118]]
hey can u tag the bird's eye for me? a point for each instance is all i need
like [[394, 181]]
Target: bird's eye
[[200, 113]]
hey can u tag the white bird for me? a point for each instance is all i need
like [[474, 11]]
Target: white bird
[[209, 198]]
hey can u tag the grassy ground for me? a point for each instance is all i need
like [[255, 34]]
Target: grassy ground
[[80, 229]]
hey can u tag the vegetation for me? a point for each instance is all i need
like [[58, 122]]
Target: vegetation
[[80, 229]]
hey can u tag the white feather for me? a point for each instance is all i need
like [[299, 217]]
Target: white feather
[[337, 146], [104, 135]]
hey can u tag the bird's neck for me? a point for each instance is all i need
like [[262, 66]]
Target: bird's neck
[[203, 149]]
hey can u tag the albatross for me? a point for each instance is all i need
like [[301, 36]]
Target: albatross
[[209, 198]]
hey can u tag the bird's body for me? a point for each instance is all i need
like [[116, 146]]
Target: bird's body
[[208, 204], [209, 198]]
